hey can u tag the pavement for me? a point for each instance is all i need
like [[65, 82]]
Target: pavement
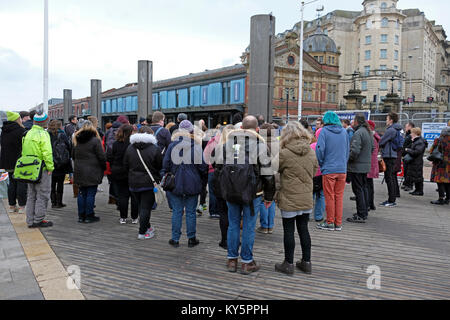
[[17, 281]]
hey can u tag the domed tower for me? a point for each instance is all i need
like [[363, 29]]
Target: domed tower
[[322, 48], [379, 36]]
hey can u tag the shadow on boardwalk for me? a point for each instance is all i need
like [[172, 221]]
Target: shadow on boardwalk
[[409, 243]]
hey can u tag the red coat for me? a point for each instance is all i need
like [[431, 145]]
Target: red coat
[[374, 169]]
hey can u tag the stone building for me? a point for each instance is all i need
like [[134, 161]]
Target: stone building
[[382, 40]]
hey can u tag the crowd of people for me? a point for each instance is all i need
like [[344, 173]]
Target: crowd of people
[[247, 168]]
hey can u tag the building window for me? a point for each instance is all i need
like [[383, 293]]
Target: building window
[[383, 54], [397, 24], [332, 93], [384, 38], [308, 91], [384, 22], [364, 85], [368, 39], [291, 60], [368, 24], [383, 67], [384, 5], [396, 68], [383, 85], [332, 60], [325, 32], [397, 39], [368, 54], [366, 70], [321, 59], [399, 86], [396, 54]]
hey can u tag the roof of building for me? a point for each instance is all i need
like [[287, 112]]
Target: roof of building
[[319, 42]]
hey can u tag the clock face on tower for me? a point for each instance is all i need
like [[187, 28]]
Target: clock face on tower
[[291, 60]]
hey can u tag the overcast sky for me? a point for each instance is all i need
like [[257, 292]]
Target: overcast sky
[[104, 39]]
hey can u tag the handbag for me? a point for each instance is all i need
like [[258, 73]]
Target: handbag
[[381, 165], [436, 155], [159, 194], [408, 158], [168, 182], [28, 169]]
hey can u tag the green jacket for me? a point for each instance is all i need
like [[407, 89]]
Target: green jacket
[[37, 143]]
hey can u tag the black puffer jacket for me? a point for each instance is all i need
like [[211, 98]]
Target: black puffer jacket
[[89, 159], [115, 158], [11, 144], [138, 177], [415, 167], [62, 137]]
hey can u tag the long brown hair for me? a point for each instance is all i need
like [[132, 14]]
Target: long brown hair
[[124, 133], [53, 127]]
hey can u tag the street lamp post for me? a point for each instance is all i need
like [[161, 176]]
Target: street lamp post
[[288, 91], [45, 95], [300, 83]]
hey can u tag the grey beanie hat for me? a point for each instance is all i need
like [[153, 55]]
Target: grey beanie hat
[[186, 125]]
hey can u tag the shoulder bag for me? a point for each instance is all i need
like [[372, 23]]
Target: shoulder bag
[[159, 194]]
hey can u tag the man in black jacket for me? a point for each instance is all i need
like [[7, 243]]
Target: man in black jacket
[[407, 184], [162, 134], [245, 151], [71, 127]]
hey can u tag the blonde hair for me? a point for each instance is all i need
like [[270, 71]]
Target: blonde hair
[[87, 126], [94, 121], [170, 125], [416, 131], [294, 130], [226, 130]]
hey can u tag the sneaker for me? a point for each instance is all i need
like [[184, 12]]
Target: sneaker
[[42, 224], [92, 219], [285, 268], [407, 189], [417, 193], [356, 219], [270, 231], [326, 226], [134, 221], [199, 210], [305, 267], [12, 209], [123, 221], [214, 216], [388, 204], [151, 230], [232, 265], [262, 230], [193, 242], [205, 208], [439, 202], [22, 210], [352, 198], [248, 268], [146, 236], [174, 243], [373, 208], [338, 228]]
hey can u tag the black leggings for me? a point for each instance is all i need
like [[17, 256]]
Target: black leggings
[[124, 196], [145, 201], [289, 237], [444, 188], [58, 184], [222, 209]]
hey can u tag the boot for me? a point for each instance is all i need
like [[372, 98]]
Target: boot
[[112, 200], [53, 199], [306, 267], [59, 204], [285, 267], [248, 268]]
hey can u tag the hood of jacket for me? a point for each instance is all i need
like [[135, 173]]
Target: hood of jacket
[[10, 126], [397, 127], [84, 136], [333, 129], [299, 147], [142, 140]]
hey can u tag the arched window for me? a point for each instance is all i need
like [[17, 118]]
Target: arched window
[[384, 5], [384, 22]]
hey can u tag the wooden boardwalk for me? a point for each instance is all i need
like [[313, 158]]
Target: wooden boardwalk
[[410, 244]]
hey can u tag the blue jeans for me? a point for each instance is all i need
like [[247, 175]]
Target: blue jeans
[[86, 201], [235, 212], [319, 205], [267, 216], [178, 204], [212, 197]]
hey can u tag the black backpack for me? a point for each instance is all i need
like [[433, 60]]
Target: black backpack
[[61, 156], [239, 182]]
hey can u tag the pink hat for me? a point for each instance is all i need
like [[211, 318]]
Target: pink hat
[[123, 119]]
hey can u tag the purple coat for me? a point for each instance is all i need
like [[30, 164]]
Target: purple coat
[[374, 169]]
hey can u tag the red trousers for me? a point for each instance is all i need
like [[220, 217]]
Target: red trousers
[[333, 188]]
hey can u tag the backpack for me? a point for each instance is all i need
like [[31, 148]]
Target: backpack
[[398, 142], [61, 156], [239, 182]]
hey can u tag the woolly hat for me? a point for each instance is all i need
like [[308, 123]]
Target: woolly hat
[[331, 118], [12, 116], [186, 125], [40, 118], [371, 124], [123, 119]]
